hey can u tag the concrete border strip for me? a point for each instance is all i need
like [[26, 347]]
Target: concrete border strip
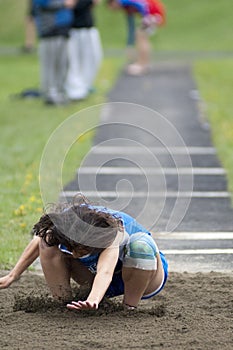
[[149, 171], [193, 236], [155, 150], [197, 251], [168, 194]]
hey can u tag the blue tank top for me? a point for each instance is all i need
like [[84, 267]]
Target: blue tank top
[[131, 226]]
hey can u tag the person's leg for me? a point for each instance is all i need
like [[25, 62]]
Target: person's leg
[[142, 271], [58, 269], [143, 53], [131, 36], [44, 66], [55, 71], [61, 68], [88, 60], [144, 48], [80, 273], [75, 85], [93, 56], [136, 282], [48, 57]]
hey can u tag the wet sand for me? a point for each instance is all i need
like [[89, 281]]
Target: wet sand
[[194, 311]]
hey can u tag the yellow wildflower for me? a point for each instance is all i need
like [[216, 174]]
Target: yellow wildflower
[[32, 199]]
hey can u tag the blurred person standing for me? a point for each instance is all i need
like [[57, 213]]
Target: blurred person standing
[[84, 51], [152, 13], [131, 36], [53, 20]]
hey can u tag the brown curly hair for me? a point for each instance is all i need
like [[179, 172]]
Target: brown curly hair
[[79, 224]]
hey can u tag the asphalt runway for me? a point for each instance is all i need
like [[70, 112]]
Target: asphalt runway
[[153, 158]]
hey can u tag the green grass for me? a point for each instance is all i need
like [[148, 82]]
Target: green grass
[[12, 22], [200, 25], [26, 125], [191, 26], [215, 82]]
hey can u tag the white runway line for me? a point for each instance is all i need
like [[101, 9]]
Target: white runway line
[[197, 251], [169, 194], [196, 236], [156, 150], [187, 236], [149, 171]]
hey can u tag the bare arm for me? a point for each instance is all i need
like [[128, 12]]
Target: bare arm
[[29, 255], [105, 269]]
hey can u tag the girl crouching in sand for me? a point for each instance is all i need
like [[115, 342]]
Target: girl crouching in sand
[[107, 249]]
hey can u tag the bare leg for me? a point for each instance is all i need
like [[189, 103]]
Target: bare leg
[[143, 54], [144, 48], [139, 282], [56, 271], [136, 282], [59, 269], [80, 273], [130, 53]]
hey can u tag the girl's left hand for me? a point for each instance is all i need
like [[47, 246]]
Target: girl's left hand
[[82, 305]]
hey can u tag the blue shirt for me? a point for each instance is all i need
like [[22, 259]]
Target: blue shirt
[[130, 225]]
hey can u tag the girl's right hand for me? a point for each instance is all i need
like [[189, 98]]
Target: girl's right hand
[[82, 305]]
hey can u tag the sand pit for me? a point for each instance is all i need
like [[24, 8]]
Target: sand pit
[[194, 311]]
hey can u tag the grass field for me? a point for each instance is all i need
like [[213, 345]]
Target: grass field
[[215, 81], [191, 25], [27, 124]]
